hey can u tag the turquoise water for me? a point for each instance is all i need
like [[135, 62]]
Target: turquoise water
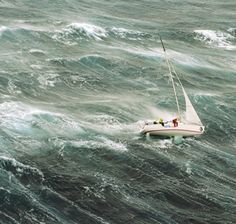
[[76, 76]]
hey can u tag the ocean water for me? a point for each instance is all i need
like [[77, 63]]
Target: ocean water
[[76, 76]]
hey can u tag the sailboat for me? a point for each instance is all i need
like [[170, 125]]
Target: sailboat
[[185, 124]]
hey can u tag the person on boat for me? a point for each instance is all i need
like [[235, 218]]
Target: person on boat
[[160, 121], [175, 122]]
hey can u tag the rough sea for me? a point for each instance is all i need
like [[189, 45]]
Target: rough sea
[[76, 76]]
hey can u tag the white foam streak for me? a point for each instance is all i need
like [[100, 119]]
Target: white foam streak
[[179, 57], [126, 33], [99, 142], [118, 146], [36, 51], [18, 110]]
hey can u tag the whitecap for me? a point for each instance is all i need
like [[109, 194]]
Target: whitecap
[[165, 143], [215, 38], [12, 88], [49, 79], [90, 30], [36, 51], [3, 29], [232, 31], [20, 168], [126, 33], [117, 146], [34, 66], [79, 31], [188, 168]]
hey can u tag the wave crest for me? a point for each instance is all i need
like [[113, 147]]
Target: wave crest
[[3, 29], [25, 173], [82, 31], [128, 34], [79, 31], [215, 38]]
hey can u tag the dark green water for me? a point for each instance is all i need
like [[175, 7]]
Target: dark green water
[[76, 76]]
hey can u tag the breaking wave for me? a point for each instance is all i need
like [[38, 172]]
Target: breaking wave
[[25, 173], [18, 118], [232, 31], [79, 31], [128, 34], [215, 38], [84, 31], [3, 29]]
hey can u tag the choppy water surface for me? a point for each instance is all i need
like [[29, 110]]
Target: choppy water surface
[[76, 76]]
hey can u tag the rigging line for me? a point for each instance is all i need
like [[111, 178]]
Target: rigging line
[[176, 74], [171, 76]]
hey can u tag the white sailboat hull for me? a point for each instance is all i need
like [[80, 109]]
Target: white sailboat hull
[[184, 130]]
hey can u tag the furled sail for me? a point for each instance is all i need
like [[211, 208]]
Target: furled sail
[[191, 116]]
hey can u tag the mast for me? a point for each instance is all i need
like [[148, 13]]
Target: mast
[[171, 77]]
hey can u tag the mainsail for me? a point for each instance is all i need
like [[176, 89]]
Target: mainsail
[[191, 116]]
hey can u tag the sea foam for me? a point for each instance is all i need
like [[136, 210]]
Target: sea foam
[[3, 29], [90, 30], [127, 33], [79, 31], [215, 38]]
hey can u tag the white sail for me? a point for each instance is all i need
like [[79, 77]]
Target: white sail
[[191, 116]]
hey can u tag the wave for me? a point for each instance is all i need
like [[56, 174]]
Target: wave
[[7, 33], [232, 31], [37, 52], [28, 36], [117, 146], [21, 119], [84, 31], [128, 34], [59, 200], [99, 142], [75, 32], [25, 173], [5, 218], [87, 30], [68, 35], [180, 58], [79, 31], [3, 29], [49, 79], [95, 60], [216, 38]]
